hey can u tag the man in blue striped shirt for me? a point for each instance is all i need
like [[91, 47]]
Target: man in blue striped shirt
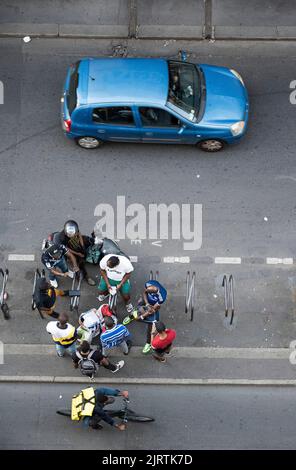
[[115, 335]]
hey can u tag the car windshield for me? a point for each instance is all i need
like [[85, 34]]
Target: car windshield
[[184, 89]]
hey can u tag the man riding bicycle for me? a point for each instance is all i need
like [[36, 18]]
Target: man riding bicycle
[[105, 396]]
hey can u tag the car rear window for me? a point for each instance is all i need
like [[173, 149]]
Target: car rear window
[[72, 92]]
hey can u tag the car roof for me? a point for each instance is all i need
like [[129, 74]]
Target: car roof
[[123, 80]]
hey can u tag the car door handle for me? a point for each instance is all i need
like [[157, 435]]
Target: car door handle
[[101, 131], [148, 133]]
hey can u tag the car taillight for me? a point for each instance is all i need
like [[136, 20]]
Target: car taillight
[[67, 125]]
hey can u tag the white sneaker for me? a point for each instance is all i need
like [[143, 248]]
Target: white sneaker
[[129, 308], [54, 284], [101, 298], [119, 366]]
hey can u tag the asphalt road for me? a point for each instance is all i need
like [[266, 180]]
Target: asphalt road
[[247, 191], [185, 418]]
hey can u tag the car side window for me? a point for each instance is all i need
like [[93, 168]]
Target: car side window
[[118, 115], [156, 117]]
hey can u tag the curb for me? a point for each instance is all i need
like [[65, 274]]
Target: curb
[[147, 381], [178, 352], [146, 31]]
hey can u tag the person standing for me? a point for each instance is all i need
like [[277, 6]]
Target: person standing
[[63, 334], [45, 297], [115, 272], [85, 354], [115, 336], [148, 308], [161, 340]]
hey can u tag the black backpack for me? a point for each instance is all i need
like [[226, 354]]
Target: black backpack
[[87, 365]]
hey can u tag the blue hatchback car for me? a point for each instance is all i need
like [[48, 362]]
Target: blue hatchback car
[[153, 100]]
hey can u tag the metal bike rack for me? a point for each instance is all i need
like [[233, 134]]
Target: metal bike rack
[[154, 276], [227, 283], [37, 275], [76, 285], [3, 295], [190, 293]]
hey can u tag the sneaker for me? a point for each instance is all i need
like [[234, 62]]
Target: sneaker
[[129, 308], [131, 317], [90, 281], [146, 349], [119, 366], [101, 298], [54, 283], [160, 359]]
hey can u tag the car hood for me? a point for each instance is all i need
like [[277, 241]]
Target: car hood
[[226, 97]]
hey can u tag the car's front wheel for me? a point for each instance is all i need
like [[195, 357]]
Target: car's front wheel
[[89, 142], [211, 145]]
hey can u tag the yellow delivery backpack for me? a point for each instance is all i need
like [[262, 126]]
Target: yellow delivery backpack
[[83, 404]]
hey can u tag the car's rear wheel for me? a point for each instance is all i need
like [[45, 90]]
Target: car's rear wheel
[[211, 145], [88, 142]]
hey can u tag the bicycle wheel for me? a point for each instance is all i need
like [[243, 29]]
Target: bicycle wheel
[[64, 413], [139, 419]]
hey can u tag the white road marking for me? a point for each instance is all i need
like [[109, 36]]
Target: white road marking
[[279, 260], [14, 257], [227, 260], [175, 259], [133, 259]]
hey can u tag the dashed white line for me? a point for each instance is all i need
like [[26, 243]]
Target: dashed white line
[[15, 257], [175, 259], [133, 259], [279, 260], [227, 260]]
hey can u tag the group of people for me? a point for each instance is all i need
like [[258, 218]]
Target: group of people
[[66, 255]]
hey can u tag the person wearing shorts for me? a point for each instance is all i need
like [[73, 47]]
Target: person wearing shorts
[[115, 272], [161, 341]]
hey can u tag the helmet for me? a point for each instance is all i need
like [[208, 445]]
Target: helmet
[[55, 251], [71, 228]]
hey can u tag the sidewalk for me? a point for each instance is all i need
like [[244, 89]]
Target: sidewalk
[[193, 19], [186, 366]]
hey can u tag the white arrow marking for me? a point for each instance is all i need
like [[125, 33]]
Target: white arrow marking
[[157, 243]]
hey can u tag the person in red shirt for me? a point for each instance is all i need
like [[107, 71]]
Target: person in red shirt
[[161, 340]]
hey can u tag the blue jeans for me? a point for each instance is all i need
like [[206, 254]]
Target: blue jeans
[[62, 266], [70, 349]]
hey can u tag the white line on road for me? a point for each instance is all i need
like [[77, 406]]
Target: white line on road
[[227, 260], [279, 260], [175, 259], [133, 259], [14, 257]]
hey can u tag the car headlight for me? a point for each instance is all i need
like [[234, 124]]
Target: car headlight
[[237, 128], [237, 76]]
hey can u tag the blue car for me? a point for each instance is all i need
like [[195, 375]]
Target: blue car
[[153, 100]]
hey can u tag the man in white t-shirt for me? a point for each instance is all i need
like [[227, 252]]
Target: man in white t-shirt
[[115, 272], [92, 323]]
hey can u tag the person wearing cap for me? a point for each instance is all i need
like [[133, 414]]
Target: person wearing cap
[[77, 245], [92, 323], [148, 308], [54, 259], [47, 296]]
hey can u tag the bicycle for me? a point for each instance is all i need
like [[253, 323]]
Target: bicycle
[[125, 414]]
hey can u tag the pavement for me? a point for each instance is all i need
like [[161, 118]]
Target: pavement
[[193, 19], [186, 417]]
